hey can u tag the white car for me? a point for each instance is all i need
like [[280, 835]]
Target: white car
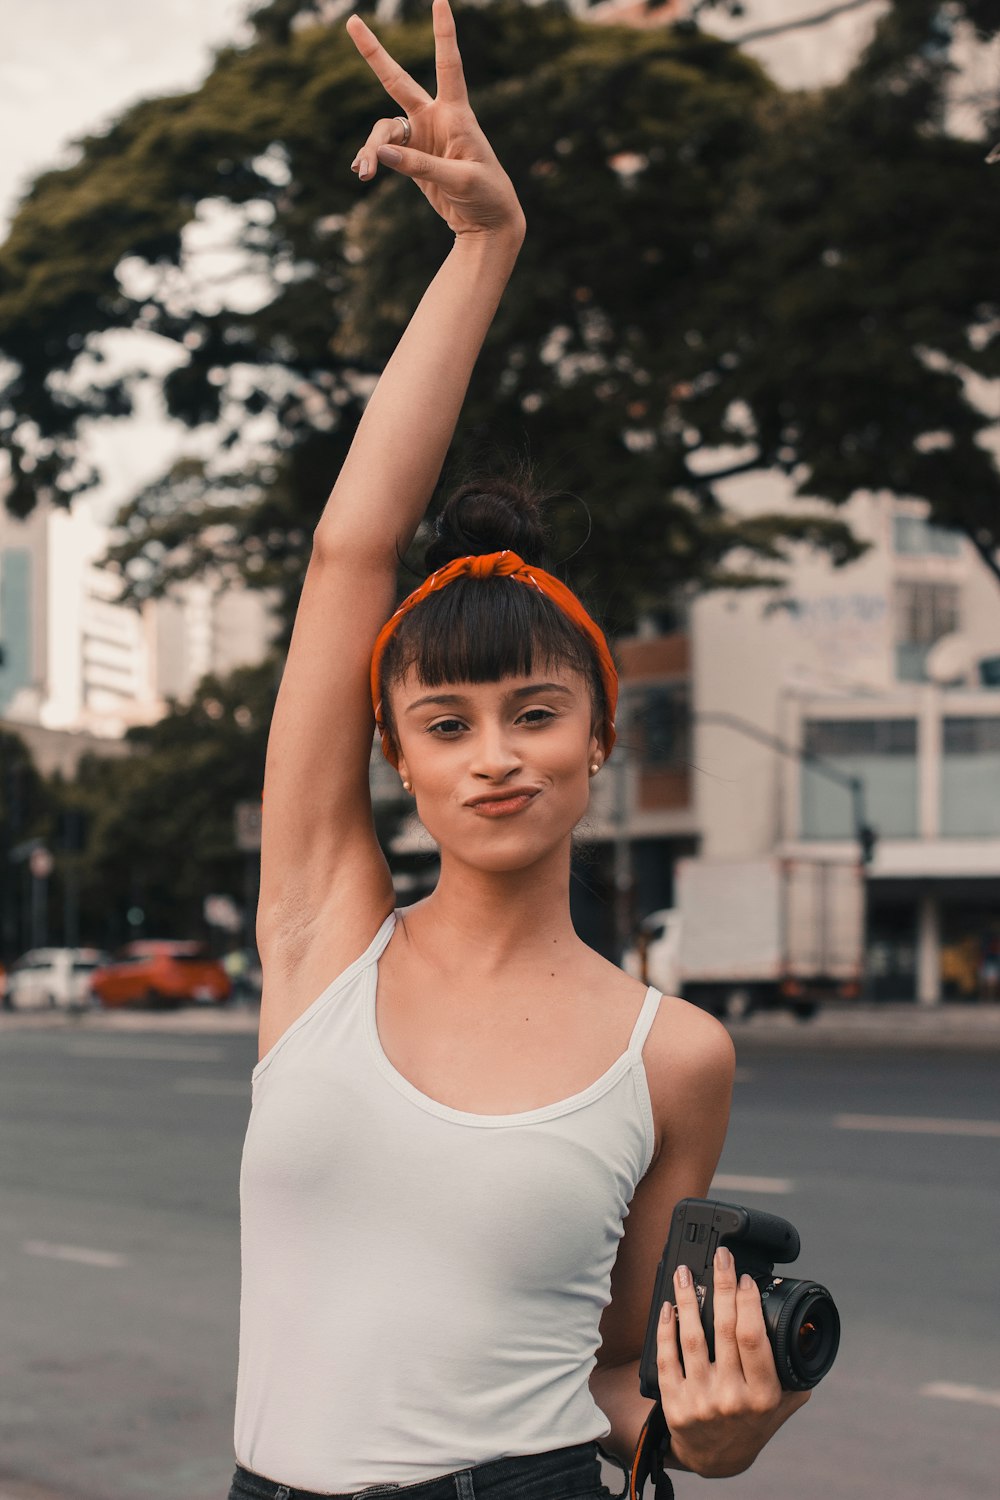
[[50, 978]]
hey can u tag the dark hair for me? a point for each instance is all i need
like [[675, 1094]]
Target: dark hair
[[482, 629]]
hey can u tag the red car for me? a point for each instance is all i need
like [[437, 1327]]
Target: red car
[[160, 973]]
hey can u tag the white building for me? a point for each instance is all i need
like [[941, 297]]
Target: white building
[[889, 671], [74, 660]]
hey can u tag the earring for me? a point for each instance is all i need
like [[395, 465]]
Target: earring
[[595, 768], [407, 786]]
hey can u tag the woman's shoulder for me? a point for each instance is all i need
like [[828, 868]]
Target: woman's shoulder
[[690, 1063], [681, 1035]]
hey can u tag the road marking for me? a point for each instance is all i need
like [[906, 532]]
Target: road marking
[[212, 1086], [728, 1183], [918, 1125], [945, 1391], [143, 1052], [84, 1257]]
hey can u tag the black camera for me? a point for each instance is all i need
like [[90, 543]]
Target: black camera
[[801, 1318]]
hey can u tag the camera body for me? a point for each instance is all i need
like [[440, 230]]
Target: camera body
[[803, 1326]]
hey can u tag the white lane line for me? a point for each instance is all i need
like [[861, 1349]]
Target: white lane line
[[79, 1253], [143, 1052], [210, 1086], [918, 1125], [727, 1183], [945, 1391]]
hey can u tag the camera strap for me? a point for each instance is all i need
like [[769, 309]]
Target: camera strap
[[653, 1445]]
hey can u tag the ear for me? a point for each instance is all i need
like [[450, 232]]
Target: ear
[[595, 751]]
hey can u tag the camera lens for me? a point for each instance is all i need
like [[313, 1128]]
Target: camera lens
[[810, 1340], [803, 1326]]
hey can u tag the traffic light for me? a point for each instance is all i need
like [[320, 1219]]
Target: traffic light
[[867, 838]]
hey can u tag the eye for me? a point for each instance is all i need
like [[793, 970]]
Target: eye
[[545, 713], [449, 726]]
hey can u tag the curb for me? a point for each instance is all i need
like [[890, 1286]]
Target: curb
[[951, 1028]]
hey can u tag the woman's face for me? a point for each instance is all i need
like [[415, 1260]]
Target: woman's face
[[500, 770]]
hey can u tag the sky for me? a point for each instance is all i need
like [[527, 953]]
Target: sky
[[69, 66]]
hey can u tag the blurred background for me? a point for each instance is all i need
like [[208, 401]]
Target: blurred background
[[752, 350]]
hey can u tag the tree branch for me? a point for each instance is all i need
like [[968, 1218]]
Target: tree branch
[[746, 467], [818, 19], [988, 554]]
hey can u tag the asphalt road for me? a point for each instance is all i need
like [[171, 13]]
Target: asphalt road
[[119, 1263]]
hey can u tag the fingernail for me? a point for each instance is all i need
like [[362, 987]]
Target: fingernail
[[666, 1312], [724, 1259], [390, 156], [746, 1282], [363, 167], [683, 1276]]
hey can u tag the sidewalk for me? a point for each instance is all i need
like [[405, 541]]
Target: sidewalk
[[951, 1027], [939, 1028]]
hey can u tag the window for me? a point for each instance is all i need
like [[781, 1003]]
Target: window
[[835, 737], [924, 612], [972, 736], [912, 536], [882, 754], [662, 721], [970, 778]]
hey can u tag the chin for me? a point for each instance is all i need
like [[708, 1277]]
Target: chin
[[496, 850]]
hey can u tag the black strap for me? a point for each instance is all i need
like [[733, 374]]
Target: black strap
[[654, 1443]]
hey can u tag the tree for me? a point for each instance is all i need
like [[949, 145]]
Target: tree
[[719, 278], [25, 812], [591, 370]]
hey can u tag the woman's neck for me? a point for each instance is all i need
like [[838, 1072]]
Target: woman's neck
[[492, 922]]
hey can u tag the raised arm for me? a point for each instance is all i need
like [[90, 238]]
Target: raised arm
[[321, 868]]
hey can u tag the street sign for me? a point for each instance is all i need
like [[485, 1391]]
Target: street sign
[[248, 826]]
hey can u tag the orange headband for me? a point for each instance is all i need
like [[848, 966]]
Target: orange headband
[[504, 564]]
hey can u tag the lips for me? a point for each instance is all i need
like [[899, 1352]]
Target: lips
[[499, 803]]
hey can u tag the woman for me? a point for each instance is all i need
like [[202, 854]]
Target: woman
[[458, 1104]]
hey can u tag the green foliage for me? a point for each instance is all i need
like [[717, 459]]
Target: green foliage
[[25, 813], [719, 277], [161, 820]]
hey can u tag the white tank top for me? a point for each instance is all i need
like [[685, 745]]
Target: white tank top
[[421, 1286]]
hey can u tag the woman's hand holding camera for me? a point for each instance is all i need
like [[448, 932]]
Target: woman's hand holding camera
[[720, 1414], [447, 155]]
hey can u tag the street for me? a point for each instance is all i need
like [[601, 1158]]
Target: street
[[119, 1261]]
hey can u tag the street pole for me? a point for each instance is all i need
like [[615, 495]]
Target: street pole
[[623, 877]]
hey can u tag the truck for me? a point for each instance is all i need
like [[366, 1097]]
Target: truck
[[758, 934]]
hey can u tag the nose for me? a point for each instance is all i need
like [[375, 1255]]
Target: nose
[[494, 756]]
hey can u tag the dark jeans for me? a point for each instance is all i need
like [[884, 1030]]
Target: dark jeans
[[562, 1474]]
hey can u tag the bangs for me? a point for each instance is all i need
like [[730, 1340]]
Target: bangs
[[484, 629]]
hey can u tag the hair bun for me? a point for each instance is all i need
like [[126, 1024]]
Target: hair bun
[[488, 514]]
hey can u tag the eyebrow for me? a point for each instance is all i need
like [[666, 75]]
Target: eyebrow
[[451, 699]]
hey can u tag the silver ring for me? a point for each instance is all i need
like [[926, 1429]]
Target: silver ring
[[402, 120]]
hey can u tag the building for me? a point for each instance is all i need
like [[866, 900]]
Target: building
[[76, 661], [24, 585], [889, 670]]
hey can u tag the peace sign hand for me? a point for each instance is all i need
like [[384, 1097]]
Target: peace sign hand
[[448, 156]]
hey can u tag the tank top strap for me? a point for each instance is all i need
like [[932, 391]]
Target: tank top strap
[[645, 1019], [380, 941]]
